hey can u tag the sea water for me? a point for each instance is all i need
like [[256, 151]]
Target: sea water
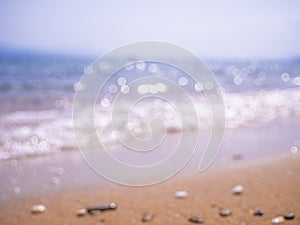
[[37, 91]]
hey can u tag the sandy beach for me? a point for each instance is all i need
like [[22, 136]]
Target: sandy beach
[[271, 185]]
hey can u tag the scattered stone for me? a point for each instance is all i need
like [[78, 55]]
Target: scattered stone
[[196, 219], [258, 212], [147, 216], [181, 194], [101, 207], [36, 209], [289, 216], [81, 212], [225, 212], [237, 190], [278, 219]]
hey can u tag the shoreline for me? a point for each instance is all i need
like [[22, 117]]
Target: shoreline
[[69, 171]]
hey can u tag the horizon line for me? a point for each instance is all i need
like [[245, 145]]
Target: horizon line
[[86, 54]]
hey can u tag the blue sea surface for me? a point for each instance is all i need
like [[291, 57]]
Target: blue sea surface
[[36, 94], [34, 81], [26, 79]]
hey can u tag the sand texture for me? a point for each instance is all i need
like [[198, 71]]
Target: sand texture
[[272, 186]]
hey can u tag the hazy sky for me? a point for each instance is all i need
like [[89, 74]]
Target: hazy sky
[[214, 28]]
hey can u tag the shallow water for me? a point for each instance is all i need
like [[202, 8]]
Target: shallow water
[[36, 176]]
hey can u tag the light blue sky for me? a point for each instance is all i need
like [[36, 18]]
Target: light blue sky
[[209, 28]]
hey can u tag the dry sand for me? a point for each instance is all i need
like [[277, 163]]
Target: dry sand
[[272, 185]]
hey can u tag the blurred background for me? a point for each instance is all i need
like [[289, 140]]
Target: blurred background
[[45, 47]]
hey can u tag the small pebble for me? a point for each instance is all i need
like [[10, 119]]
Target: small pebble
[[101, 207], [225, 212], [258, 212], [237, 190], [181, 194], [289, 216], [147, 216], [81, 212], [278, 219], [38, 209], [196, 219]]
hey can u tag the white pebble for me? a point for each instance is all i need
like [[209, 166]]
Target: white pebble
[[181, 194], [238, 189], [278, 219], [38, 209], [81, 212]]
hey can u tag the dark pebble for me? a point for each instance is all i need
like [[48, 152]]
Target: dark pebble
[[289, 216], [258, 212], [196, 219], [101, 207], [225, 212], [147, 216]]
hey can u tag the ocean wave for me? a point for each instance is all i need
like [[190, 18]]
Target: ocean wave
[[35, 133]]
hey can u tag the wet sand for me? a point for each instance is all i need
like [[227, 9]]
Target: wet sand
[[271, 185]]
